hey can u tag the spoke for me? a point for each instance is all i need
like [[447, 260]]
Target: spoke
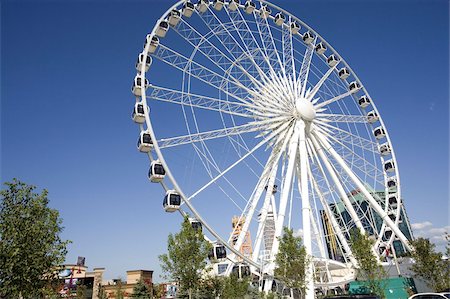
[[305, 67], [332, 100], [342, 118], [249, 41], [272, 135], [329, 214], [331, 171], [199, 101], [319, 84], [268, 43], [196, 70], [214, 134], [339, 135], [373, 203], [226, 38], [210, 51], [288, 51]]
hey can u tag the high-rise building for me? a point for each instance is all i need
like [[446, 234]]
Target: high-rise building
[[370, 220]]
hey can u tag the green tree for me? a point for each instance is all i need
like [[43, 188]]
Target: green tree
[[429, 264], [81, 291], [186, 257], [291, 261], [234, 288], [30, 245], [142, 290], [369, 269]]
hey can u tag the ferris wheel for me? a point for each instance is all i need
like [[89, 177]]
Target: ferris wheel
[[244, 110]]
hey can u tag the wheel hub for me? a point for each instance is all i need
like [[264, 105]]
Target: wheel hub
[[304, 109]]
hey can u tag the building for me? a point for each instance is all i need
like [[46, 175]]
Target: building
[[116, 286], [370, 220], [72, 276]]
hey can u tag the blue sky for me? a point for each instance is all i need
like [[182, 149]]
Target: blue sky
[[66, 71]]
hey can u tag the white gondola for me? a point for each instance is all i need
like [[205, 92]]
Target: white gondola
[[241, 270], [142, 58], [265, 12], [218, 4], [372, 117], [163, 26], [393, 202], [195, 224], [145, 143], [174, 17], [320, 48], [344, 73], [392, 184], [172, 201], [154, 43], [389, 166], [279, 19], [156, 173], [202, 5], [364, 101], [249, 6], [233, 5], [188, 9], [379, 132], [354, 86], [136, 89], [332, 60], [387, 233], [308, 37], [218, 252], [385, 149], [295, 27], [138, 114]]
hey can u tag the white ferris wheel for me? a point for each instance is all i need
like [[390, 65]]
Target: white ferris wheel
[[245, 110]]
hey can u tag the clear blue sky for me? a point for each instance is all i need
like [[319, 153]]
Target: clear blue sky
[[66, 71]]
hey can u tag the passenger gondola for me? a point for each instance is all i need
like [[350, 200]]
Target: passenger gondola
[[145, 143], [265, 11], [174, 17], [379, 132], [156, 173], [344, 73], [138, 114], [218, 252], [188, 9], [137, 87], [162, 28], [249, 7], [279, 19], [241, 270], [218, 4], [142, 58], [172, 201], [308, 37], [364, 101], [332, 60]]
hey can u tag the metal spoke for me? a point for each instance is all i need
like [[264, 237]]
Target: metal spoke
[[199, 101], [341, 118]]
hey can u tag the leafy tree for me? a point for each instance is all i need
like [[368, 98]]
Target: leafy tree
[[119, 291], [369, 269], [142, 290], [234, 288], [291, 261], [429, 264], [186, 257], [81, 291], [30, 245]]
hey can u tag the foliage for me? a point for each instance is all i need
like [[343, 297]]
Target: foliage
[[102, 293], [142, 290], [291, 260], [81, 291], [429, 264], [186, 257], [369, 269], [30, 245], [158, 290], [234, 288]]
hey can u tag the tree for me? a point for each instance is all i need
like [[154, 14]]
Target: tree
[[429, 264], [142, 290], [369, 269], [291, 261], [234, 288], [81, 291], [30, 245], [186, 257]]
